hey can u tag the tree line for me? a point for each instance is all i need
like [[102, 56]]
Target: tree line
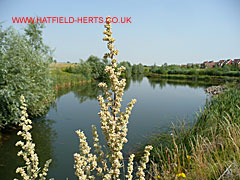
[[93, 68], [226, 70]]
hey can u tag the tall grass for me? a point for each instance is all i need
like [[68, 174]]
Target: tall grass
[[64, 79], [207, 150]]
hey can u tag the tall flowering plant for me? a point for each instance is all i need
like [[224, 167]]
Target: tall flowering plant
[[32, 170], [114, 127]]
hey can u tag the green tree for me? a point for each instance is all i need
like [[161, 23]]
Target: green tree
[[24, 70], [85, 69], [165, 64], [97, 66], [128, 66], [134, 69], [154, 68], [140, 68], [162, 70], [33, 33]]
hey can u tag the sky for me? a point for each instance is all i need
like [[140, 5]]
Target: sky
[[162, 31]]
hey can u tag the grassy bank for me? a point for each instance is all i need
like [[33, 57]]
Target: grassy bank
[[226, 70], [208, 149], [154, 81], [63, 79], [194, 77]]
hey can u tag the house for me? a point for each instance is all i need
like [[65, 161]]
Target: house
[[203, 65], [220, 63], [211, 64], [228, 62], [208, 64], [236, 62]]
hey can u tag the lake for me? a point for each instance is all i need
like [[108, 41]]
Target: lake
[[159, 103]]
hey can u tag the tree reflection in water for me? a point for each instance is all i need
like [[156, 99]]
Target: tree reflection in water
[[162, 82], [90, 91], [45, 130]]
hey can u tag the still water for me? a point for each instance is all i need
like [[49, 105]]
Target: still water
[[159, 103]]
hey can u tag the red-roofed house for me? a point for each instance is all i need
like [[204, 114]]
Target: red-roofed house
[[228, 62], [208, 64], [220, 63], [236, 62]]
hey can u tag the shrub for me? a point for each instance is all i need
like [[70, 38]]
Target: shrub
[[24, 61]]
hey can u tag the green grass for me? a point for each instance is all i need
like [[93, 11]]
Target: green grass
[[205, 150], [231, 71], [64, 79], [195, 77], [61, 65]]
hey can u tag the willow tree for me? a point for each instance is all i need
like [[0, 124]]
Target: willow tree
[[24, 70]]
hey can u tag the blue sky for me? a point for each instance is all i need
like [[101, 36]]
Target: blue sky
[[172, 31]]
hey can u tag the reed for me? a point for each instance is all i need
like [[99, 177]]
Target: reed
[[206, 150]]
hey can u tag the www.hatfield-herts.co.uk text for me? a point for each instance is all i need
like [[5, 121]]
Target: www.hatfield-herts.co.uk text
[[70, 20]]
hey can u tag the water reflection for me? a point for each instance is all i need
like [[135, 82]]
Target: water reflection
[[137, 78], [82, 91], [159, 103], [190, 83], [43, 136], [90, 91]]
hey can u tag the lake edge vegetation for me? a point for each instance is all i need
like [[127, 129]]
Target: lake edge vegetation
[[226, 70], [92, 69], [75, 72], [208, 150]]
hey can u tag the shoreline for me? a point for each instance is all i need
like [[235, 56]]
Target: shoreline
[[218, 122]]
